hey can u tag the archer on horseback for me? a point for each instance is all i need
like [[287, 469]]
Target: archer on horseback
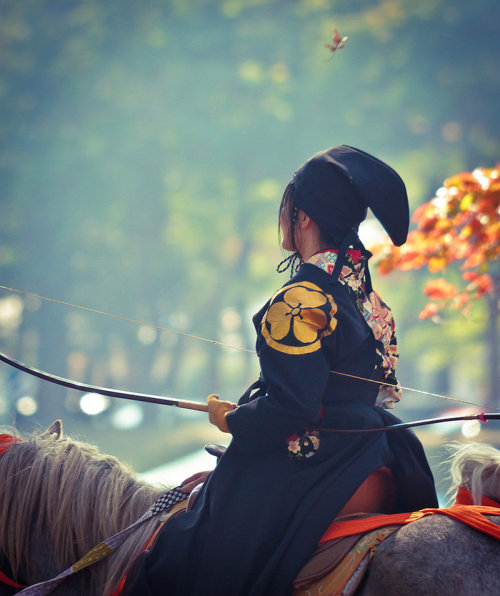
[[283, 479]]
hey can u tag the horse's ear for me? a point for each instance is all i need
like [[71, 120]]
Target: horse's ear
[[55, 430]]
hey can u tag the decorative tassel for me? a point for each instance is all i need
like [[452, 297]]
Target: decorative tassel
[[291, 262]]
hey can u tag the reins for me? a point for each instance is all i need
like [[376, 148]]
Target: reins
[[4, 579]]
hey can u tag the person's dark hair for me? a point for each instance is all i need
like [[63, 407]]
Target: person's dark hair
[[289, 210]]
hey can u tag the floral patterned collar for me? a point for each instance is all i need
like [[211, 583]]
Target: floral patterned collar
[[354, 268]]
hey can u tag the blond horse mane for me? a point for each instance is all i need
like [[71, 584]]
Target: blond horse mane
[[476, 466], [63, 496]]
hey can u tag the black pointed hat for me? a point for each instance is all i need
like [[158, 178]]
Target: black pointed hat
[[335, 187]]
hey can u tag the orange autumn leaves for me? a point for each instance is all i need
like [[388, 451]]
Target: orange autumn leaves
[[460, 224]]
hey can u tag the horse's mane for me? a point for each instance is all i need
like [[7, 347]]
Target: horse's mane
[[64, 496], [476, 466]]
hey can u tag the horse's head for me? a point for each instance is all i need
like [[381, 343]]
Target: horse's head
[[58, 499]]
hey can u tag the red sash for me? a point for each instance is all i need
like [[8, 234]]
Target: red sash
[[461, 510]]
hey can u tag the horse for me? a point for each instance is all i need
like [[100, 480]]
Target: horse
[[60, 497]]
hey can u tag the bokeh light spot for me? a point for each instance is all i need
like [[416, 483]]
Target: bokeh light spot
[[93, 404], [127, 417], [26, 406], [471, 428]]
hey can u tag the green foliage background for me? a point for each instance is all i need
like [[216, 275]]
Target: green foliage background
[[144, 147]]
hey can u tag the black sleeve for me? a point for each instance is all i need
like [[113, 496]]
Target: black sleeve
[[293, 365]]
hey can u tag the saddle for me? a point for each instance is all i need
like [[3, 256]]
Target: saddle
[[344, 556]]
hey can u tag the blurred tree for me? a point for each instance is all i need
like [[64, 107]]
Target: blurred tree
[[460, 225]]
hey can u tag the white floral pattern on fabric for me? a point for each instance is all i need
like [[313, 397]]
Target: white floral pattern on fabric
[[303, 446], [375, 312]]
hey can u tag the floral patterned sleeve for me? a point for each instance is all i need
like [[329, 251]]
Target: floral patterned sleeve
[[293, 365], [381, 321]]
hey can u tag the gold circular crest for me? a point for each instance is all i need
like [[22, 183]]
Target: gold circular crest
[[298, 317]]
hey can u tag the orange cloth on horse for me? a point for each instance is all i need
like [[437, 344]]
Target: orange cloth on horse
[[464, 497], [471, 515]]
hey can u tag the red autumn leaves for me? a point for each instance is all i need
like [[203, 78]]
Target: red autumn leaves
[[460, 224]]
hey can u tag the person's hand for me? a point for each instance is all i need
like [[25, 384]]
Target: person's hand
[[193, 481], [217, 411]]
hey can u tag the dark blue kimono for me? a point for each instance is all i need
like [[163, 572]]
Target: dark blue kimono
[[281, 481]]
